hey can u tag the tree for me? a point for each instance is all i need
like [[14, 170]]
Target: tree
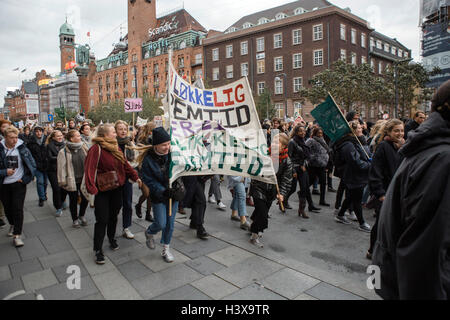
[[264, 105], [114, 110]]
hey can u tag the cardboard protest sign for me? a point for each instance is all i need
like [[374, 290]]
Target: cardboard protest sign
[[216, 131], [331, 119]]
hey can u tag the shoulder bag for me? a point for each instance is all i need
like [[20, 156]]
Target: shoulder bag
[[106, 181]]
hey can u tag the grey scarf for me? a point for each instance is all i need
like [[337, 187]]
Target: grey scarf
[[74, 146]]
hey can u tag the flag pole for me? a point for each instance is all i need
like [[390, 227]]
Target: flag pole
[[167, 88]]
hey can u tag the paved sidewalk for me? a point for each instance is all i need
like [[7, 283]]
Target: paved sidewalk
[[226, 266]]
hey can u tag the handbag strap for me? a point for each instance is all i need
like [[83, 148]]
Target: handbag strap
[[98, 161]]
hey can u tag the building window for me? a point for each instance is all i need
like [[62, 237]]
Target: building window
[[406, 54], [244, 48], [215, 54], [297, 108], [298, 82], [261, 66], [263, 20], [372, 65], [278, 64], [198, 58], [297, 37], [380, 67], [92, 92], [244, 69], [134, 58], [278, 40], [372, 43], [363, 59], [317, 32], [229, 51], [299, 11], [353, 58], [318, 57], [280, 16], [353, 36], [278, 86], [363, 40], [387, 47], [247, 25], [230, 72], [344, 55], [297, 61], [215, 74], [261, 87], [260, 44], [343, 32], [280, 109], [379, 45], [400, 53], [394, 50]]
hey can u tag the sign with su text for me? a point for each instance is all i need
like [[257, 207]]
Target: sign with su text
[[133, 105], [216, 131]]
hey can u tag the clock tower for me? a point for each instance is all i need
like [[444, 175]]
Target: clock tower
[[141, 18], [66, 44]]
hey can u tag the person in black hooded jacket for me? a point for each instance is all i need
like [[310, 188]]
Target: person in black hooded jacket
[[385, 162], [355, 164], [36, 145], [413, 244]]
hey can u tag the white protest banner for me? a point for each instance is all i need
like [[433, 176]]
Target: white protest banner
[[141, 122], [216, 131]]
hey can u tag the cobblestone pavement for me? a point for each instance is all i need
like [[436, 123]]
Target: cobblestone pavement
[[301, 259]]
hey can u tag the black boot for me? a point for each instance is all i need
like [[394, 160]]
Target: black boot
[[286, 204], [301, 208], [330, 185], [322, 197], [148, 216], [138, 211], [311, 206]]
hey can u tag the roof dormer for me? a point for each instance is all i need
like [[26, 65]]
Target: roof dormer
[[280, 16], [299, 10], [247, 25]]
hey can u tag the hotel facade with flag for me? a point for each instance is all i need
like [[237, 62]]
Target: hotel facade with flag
[[140, 58]]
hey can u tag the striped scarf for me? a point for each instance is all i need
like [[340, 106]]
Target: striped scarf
[[283, 154]]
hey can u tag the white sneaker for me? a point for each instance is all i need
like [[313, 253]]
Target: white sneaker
[[255, 241], [150, 242], [76, 224], [352, 216], [221, 205], [211, 200], [168, 257], [127, 234], [10, 233], [18, 242]]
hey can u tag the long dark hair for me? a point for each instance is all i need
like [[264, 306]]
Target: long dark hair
[[297, 128]]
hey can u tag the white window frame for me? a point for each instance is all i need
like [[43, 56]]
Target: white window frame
[[258, 44], [316, 34], [353, 36], [296, 40], [387, 47], [228, 53], [247, 25], [363, 40], [261, 89], [393, 50], [380, 67], [316, 63], [363, 59], [343, 55], [263, 61], [280, 88], [279, 106], [263, 20], [343, 32], [354, 58], [229, 74], [379, 44], [242, 69], [215, 54], [244, 48], [275, 42], [276, 64], [216, 74], [296, 61], [296, 86]]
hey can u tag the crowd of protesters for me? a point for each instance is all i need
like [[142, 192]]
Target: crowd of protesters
[[81, 161]]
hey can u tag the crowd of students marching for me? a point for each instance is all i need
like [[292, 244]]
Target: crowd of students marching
[[80, 164]]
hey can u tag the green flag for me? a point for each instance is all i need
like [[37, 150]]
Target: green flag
[[331, 119]]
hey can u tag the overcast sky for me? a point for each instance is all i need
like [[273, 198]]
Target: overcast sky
[[29, 28]]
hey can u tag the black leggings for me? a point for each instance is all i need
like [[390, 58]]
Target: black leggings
[[303, 182], [260, 216], [374, 232], [353, 197], [319, 172], [73, 203], [59, 194]]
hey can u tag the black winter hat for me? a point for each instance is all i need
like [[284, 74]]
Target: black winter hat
[[160, 136], [441, 96]]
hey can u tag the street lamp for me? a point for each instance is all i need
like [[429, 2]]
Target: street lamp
[[396, 63], [277, 78]]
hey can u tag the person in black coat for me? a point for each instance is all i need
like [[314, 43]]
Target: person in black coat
[[196, 200], [26, 135], [413, 242], [299, 153], [384, 165], [414, 123], [36, 145], [354, 165], [55, 142], [263, 194]]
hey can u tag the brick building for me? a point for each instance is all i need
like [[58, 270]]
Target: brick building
[[144, 50], [282, 48]]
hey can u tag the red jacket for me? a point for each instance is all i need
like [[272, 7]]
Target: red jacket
[[107, 163]]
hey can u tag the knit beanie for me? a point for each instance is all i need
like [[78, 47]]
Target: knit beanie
[[160, 136]]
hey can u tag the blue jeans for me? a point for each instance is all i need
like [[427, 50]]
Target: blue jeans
[[163, 221], [41, 182], [239, 198], [127, 210]]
